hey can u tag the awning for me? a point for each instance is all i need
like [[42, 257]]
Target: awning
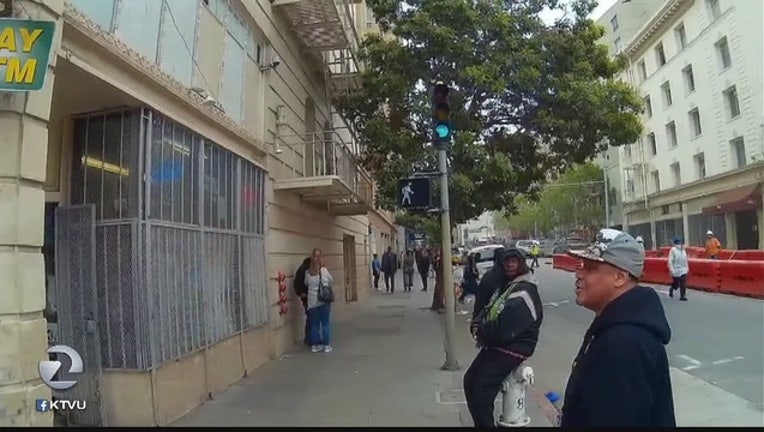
[[739, 199]]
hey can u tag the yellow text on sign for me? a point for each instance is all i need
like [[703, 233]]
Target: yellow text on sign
[[16, 72]]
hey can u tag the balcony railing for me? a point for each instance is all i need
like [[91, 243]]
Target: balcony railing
[[323, 167]]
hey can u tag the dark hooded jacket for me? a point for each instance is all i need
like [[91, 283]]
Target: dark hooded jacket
[[300, 289], [516, 328], [492, 279], [620, 377]]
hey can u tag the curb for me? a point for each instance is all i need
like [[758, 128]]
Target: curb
[[547, 408]]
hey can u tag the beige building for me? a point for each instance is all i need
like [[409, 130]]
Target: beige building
[[193, 154]]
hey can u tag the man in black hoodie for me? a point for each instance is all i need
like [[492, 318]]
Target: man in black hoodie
[[620, 377], [491, 279], [301, 290], [507, 331]]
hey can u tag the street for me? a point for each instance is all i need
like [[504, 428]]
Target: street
[[716, 350]]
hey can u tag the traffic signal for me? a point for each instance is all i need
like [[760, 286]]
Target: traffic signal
[[441, 114]]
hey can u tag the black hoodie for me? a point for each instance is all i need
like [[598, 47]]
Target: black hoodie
[[620, 377], [491, 280]]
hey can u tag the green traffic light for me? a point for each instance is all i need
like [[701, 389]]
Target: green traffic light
[[442, 130]]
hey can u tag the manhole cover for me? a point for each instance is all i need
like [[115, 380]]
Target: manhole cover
[[454, 396]]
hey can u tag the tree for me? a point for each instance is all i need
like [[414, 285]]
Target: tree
[[528, 99], [574, 201]]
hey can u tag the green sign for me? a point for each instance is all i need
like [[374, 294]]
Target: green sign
[[24, 53]]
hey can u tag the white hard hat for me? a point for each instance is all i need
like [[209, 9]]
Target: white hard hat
[[639, 239], [710, 232]]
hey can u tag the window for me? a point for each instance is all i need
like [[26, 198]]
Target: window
[[100, 12], [676, 174], [666, 90], [614, 22], [689, 79], [138, 26], [738, 151], [233, 79], [642, 70], [369, 17], [660, 54], [700, 165], [652, 143], [723, 51], [733, 104], [714, 8], [627, 151], [176, 40], [671, 134], [681, 37], [617, 45], [648, 106], [656, 181], [695, 127]]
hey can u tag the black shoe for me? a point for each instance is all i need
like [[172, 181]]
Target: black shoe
[[683, 299], [671, 293]]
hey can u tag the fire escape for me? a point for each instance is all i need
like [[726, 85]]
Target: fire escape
[[323, 166]]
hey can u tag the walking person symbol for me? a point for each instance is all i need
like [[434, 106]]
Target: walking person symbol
[[407, 193]]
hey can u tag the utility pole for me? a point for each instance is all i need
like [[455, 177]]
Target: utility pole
[[442, 140], [607, 199]]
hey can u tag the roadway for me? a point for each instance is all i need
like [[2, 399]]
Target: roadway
[[716, 351]]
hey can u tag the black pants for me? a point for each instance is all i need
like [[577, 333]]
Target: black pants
[[376, 280], [679, 283], [424, 279], [482, 383], [306, 339], [535, 262], [390, 281]]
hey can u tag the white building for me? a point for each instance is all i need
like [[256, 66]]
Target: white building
[[480, 228], [700, 162]]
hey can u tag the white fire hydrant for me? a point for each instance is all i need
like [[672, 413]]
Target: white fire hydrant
[[513, 395]]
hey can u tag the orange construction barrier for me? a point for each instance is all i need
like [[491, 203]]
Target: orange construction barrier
[[656, 271], [747, 255], [705, 275], [744, 278]]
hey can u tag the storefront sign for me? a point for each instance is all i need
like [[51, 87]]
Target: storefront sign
[[24, 52]]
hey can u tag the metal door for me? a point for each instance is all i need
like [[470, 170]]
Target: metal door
[[78, 311]]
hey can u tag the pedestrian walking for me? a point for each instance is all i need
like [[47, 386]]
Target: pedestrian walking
[[301, 291], [423, 265], [713, 245], [389, 268], [679, 267], [376, 268], [469, 279], [408, 271], [620, 377], [506, 330], [319, 309], [535, 252]]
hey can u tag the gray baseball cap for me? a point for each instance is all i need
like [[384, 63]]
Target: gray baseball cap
[[616, 248]]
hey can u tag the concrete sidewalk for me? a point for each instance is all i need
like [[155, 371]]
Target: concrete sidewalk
[[384, 371]]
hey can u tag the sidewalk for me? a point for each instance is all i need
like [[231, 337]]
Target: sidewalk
[[384, 371]]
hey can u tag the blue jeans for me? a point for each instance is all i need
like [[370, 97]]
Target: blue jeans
[[319, 323]]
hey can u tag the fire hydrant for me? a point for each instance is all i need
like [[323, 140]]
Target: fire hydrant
[[513, 395]]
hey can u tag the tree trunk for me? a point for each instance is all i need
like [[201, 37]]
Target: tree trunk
[[438, 294]]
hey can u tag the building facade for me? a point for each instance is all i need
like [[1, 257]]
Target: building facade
[[180, 157], [700, 164]]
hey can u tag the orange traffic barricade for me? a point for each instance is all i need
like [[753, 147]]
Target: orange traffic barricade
[[656, 271], [744, 278], [705, 275], [747, 255]]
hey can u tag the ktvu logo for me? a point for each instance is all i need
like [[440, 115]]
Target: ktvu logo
[[48, 370]]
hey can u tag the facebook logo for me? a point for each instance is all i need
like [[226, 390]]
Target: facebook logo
[[42, 405]]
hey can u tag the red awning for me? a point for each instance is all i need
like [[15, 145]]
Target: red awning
[[739, 199]]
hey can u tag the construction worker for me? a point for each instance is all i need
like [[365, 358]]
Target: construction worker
[[535, 252], [713, 245]]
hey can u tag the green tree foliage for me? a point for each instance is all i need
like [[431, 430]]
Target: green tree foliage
[[574, 201], [528, 99]]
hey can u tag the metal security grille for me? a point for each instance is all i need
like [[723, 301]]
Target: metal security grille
[[699, 224], [78, 310], [179, 239]]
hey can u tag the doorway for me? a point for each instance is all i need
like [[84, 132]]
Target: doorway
[[348, 254], [746, 230]]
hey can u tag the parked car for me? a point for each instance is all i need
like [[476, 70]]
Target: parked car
[[485, 261]]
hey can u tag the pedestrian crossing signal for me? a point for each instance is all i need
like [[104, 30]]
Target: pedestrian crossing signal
[[414, 193]]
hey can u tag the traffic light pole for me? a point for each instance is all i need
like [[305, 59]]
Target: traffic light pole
[[451, 363]]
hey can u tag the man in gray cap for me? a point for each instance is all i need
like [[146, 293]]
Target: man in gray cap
[[620, 377]]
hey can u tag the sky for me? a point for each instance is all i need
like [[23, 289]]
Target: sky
[[603, 5]]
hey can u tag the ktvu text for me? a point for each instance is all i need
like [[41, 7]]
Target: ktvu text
[[48, 370]]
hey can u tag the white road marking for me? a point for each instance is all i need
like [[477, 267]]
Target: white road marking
[[694, 364], [727, 360]]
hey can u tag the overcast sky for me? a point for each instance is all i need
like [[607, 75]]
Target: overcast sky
[[603, 5]]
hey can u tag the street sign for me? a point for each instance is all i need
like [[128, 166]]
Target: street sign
[[25, 47], [414, 193]]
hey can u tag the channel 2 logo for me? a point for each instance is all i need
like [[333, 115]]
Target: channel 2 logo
[[48, 370]]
